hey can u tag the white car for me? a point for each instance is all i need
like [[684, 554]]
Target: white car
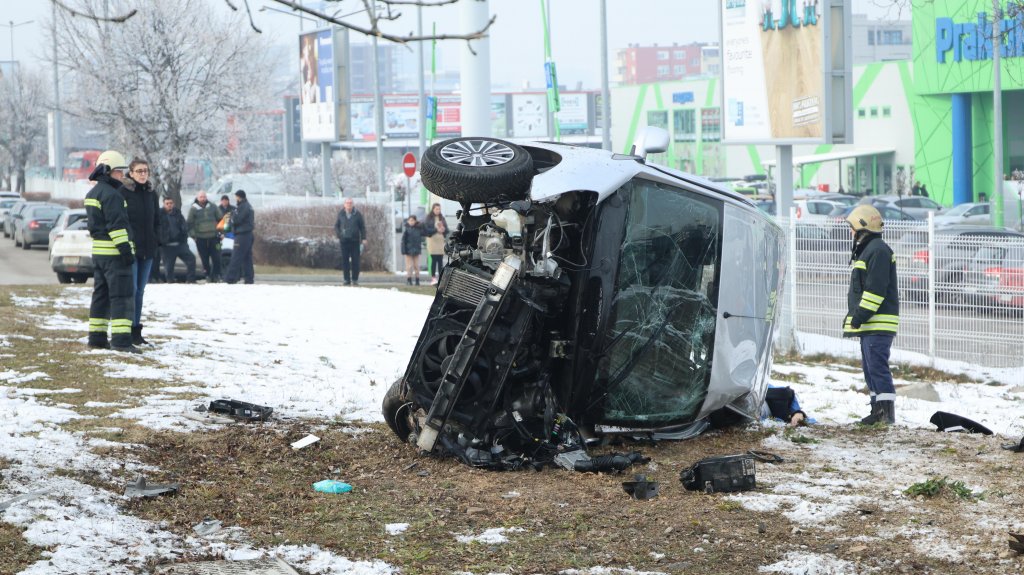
[[71, 253], [813, 211], [966, 213]]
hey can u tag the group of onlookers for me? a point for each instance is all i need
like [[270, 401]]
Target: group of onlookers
[[131, 231]]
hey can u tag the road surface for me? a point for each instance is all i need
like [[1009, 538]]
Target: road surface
[[18, 266]]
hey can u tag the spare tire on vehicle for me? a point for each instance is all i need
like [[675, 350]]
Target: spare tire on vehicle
[[477, 170]]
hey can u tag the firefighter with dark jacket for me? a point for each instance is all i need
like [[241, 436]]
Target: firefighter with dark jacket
[[113, 253], [873, 304]]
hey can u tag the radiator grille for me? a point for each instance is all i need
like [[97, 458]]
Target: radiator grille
[[466, 287]]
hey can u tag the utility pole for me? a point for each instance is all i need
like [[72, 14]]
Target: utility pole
[[997, 112], [606, 107], [58, 144]]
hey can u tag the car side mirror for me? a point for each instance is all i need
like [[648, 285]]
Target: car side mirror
[[650, 141]]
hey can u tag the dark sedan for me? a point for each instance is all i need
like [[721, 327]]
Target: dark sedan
[[34, 224]]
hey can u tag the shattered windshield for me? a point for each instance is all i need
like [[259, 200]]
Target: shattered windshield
[[661, 334]]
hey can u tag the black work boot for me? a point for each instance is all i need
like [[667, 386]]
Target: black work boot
[[888, 412], [137, 338], [408, 281], [417, 281], [123, 342], [98, 340], [872, 417]]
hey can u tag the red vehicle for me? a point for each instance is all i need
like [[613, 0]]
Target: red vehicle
[[79, 165]]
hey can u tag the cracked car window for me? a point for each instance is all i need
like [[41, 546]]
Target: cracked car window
[[663, 317]]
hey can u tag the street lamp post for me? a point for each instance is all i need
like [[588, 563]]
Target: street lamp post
[[11, 26]]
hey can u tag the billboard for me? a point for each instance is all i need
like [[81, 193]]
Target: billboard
[[778, 60], [574, 117], [323, 82]]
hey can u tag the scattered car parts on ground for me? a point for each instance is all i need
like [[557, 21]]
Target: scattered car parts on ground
[[952, 423], [589, 295], [724, 474], [240, 410], [142, 488]]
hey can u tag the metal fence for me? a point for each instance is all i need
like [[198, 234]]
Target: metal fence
[[961, 287]]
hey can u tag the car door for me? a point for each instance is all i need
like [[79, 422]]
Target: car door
[[978, 215]]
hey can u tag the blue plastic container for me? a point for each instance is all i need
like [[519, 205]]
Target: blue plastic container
[[332, 486]]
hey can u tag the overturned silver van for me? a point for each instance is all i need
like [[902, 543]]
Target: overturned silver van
[[588, 294]]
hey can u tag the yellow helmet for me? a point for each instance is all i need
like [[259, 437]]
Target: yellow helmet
[[113, 159], [865, 217]]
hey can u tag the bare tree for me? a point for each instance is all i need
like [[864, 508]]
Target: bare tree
[[163, 82], [23, 106]]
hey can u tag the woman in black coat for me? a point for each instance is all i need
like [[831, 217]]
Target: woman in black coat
[[412, 247], [144, 217]]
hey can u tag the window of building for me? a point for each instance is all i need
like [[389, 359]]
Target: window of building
[[658, 119], [679, 55], [874, 112], [871, 37], [710, 53], [861, 113], [695, 62], [711, 124], [886, 112], [890, 37], [663, 54], [679, 70], [663, 70], [684, 125]]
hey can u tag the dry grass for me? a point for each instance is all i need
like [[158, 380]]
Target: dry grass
[[249, 476]]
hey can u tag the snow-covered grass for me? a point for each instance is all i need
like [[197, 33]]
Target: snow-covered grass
[[330, 353]]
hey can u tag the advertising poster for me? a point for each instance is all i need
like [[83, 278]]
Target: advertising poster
[[449, 116], [316, 94], [773, 70], [363, 127], [401, 117], [529, 115], [572, 118]]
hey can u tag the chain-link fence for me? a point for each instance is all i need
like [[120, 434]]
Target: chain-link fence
[[961, 287]]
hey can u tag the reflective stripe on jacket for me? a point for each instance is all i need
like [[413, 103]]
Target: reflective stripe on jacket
[[873, 301], [107, 215]]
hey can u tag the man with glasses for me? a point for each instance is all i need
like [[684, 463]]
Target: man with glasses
[[113, 255]]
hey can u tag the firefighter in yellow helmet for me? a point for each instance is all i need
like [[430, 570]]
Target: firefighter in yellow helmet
[[873, 304], [113, 255]]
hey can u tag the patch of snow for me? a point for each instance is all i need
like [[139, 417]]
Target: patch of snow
[[396, 528], [102, 404], [32, 391], [12, 376], [492, 536], [797, 563], [316, 561], [608, 571]]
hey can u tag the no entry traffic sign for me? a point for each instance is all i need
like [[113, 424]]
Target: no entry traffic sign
[[409, 164]]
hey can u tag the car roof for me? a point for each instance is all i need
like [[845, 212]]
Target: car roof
[[967, 228], [601, 171], [10, 195]]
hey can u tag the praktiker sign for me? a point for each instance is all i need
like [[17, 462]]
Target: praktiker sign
[[972, 41]]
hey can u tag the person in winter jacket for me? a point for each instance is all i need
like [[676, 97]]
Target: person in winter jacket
[[437, 231], [243, 222], [350, 229], [203, 217], [873, 309], [412, 246], [144, 217], [113, 255], [174, 242]]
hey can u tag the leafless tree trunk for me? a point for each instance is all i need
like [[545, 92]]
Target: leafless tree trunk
[[164, 81]]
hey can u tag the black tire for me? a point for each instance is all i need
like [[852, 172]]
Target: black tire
[[396, 411], [477, 170], [63, 277], [14, 236], [24, 244], [80, 278]]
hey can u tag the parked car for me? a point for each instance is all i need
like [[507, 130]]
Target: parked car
[[995, 275], [71, 252], [916, 206], [13, 215], [7, 201], [815, 210], [33, 225], [66, 219], [840, 229], [588, 294], [955, 247], [966, 213]]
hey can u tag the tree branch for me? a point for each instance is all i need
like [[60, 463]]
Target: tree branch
[[73, 12], [373, 30]]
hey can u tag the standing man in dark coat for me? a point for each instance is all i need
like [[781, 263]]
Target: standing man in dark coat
[[113, 255], [144, 216], [873, 309], [243, 222], [174, 242], [351, 232], [202, 226]]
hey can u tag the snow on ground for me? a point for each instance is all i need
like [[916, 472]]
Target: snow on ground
[[330, 352]]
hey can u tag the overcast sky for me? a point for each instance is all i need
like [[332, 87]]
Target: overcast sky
[[517, 49]]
